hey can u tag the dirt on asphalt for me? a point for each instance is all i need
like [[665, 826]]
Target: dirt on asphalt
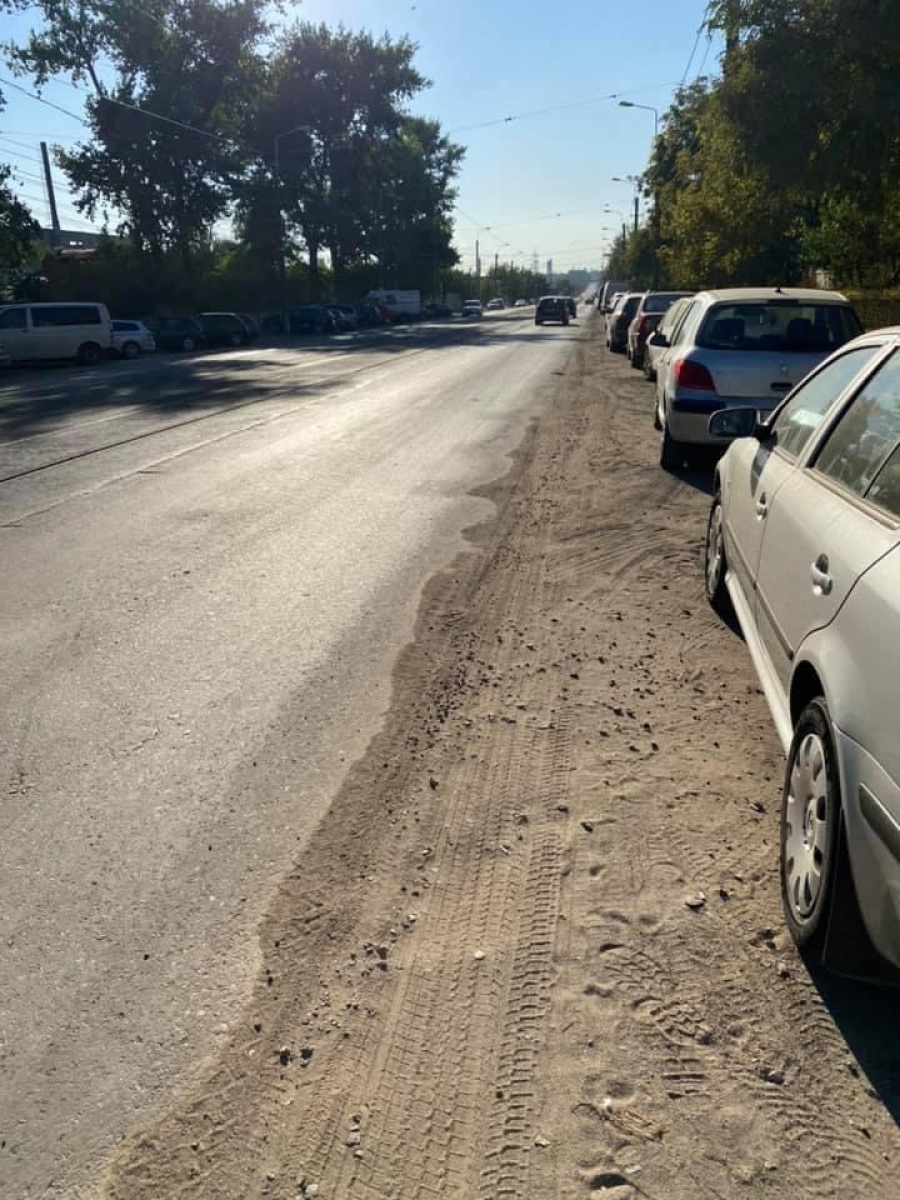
[[535, 948]]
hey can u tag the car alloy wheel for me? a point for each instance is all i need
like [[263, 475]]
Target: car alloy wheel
[[188, 343], [131, 350], [810, 814], [90, 354], [236, 339]]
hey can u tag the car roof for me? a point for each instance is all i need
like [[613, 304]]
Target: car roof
[[751, 295]]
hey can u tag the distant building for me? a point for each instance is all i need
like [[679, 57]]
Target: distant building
[[71, 239]]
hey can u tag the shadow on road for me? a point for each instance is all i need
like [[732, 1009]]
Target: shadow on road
[[34, 398], [866, 1016]]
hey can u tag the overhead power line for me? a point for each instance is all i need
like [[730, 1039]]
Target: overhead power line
[[540, 112]]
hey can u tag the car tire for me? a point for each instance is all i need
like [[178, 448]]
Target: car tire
[[537, 322], [657, 423], [131, 350], [670, 456], [649, 373], [188, 343], [714, 563], [236, 339], [637, 361], [810, 817], [89, 354]]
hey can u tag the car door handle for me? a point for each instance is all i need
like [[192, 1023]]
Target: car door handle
[[822, 581], [762, 506]]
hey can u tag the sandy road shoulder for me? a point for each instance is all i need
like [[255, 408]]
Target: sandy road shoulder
[[483, 978]]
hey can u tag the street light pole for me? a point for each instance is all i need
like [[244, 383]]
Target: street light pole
[[656, 212]]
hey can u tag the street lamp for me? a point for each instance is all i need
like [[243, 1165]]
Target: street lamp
[[656, 213], [646, 108]]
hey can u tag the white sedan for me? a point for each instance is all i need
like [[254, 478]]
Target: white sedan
[[132, 338], [804, 543]]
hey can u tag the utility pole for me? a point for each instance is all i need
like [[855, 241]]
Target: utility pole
[[51, 194], [636, 212]]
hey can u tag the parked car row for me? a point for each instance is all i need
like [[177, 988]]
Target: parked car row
[[803, 548]]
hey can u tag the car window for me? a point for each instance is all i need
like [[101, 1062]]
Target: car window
[[64, 314], [124, 326], [686, 323], [885, 488], [12, 318], [672, 316], [866, 434], [800, 416], [783, 326]]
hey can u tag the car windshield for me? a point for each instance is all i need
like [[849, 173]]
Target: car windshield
[[784, 326]]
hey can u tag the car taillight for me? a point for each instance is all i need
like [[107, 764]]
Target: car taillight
[[693, 375]]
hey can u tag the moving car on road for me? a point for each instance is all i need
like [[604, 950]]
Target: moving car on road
[[804, 542], [30, 332], [224, 329], [495, 305], [742, 346], [132, 338], [472, 310], [648, 316], [551, 308], [619, 319]]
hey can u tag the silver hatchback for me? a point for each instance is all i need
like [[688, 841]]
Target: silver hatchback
[[740, 347]]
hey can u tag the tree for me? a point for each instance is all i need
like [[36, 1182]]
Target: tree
[[195, 66], [18, 231]]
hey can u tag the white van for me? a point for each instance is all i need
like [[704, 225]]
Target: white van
[[45, 331]]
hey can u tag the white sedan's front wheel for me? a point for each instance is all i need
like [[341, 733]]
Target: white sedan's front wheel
[[810, 815]]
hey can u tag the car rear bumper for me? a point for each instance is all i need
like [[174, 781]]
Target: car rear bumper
[[872, 816], [688, 415]]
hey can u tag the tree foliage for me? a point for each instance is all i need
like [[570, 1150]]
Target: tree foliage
[[198, 113], [788, 161]]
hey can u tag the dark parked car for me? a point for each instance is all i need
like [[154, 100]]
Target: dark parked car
[[224, 329], [252, 324], [649, 313], [552, 308], [345, 316], [178, 333], [619, 319], [312, 318], [368, 315]]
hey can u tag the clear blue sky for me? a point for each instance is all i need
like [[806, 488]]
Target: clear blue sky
[[488, 59]]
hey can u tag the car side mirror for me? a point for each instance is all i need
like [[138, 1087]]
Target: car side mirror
[[658, 339], [734, 423]]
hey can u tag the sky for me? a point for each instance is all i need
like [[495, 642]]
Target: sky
[[533, 186]]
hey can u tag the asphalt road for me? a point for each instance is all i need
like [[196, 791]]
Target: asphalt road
[[209, 566]]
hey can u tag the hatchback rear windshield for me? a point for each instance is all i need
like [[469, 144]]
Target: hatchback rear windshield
[[776, 325], [658, 302]]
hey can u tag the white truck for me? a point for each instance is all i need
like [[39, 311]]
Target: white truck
[[399, 305]]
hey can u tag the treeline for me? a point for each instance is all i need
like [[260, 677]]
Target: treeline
[[201, 115], [788, 163]]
